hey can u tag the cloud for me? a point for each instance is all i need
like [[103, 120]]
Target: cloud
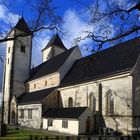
[[8, 17], [74, 25], [39, 42]]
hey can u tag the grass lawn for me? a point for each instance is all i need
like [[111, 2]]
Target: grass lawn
[[22, 134]]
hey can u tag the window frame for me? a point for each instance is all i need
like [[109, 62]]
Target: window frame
[[65, 124], [93, 101], [50, 122], [34, 86], [8, 61], [22, 48], [21, 114], [110, 104], [30, 113], [9, 49], [70, 102], [46, 83]]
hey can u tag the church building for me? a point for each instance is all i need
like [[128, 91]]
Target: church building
[[68, 93]]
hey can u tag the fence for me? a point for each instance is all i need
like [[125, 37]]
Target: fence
[[86, 138]]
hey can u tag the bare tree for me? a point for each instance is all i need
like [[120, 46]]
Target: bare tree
[[45, 18], [122, 15]]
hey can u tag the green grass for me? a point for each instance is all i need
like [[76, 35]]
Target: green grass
[[22, 134]]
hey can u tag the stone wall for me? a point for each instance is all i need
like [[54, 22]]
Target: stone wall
[[45, 82], [51, 51], [17, 68], [36, 121], [7, 72], [51, 101], [121, 88], [136, 97], [73, 126], [21, 64]]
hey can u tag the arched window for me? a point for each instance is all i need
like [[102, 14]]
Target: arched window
[[93, 103], [13, 114], [70, 102], [110, 104]]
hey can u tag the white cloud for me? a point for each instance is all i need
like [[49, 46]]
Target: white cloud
[[39, 42], [74, 25], [2, 12], [8, 17]]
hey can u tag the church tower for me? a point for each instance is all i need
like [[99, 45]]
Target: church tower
[[53, 48], [17, 67]]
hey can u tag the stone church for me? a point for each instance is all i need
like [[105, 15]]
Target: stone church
[[68, 93]]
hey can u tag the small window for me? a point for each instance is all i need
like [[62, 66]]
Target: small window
[[22, 48], [29, 113], [50, 122], [45, 83], [34, 85], [22, 113], [110, 104], [64, 124], [93, 103], [70, 102], [9, 50], [8, 60]]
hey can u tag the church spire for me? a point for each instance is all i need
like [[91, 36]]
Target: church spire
[[22, 25], [55, 41]]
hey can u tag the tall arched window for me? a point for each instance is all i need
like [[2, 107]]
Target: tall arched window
[[93, 103], [110, 104], [70, 102]]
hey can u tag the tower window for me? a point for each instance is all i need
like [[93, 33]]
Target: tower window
[[22, 48], [8, 60], [9, 50]]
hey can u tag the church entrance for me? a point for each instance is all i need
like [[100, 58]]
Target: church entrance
[[88, 125]]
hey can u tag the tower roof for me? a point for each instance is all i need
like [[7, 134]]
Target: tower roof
[[55, 40], [22, 25]]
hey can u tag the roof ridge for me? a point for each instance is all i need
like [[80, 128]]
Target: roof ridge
[[54, 57], [109, 48], [62, 57], [55, 40], [22, 25]]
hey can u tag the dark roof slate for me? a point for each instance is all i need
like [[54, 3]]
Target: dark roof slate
[[55, 40], [50, 66], [74, 112], [22, 25], [120, 58], [34, 97]]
